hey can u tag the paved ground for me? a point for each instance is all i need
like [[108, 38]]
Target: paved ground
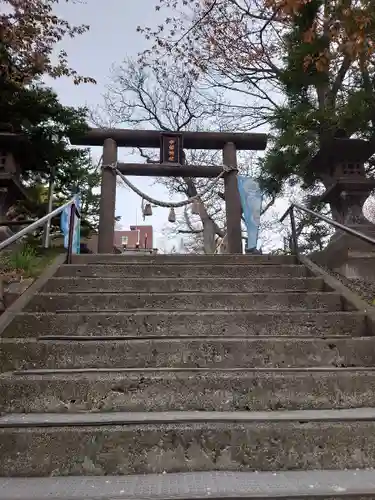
[[262, 485]]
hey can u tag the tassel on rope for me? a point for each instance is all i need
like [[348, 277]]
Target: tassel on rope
[[172, 215], [147, 210], [195, 207]]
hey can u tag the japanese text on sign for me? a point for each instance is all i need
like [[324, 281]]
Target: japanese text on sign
[[171, 148]]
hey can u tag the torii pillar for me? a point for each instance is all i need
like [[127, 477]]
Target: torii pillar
[[233, 207], [107, 199]]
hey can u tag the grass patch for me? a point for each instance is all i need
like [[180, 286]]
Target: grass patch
[[27, 261], [23, 259]]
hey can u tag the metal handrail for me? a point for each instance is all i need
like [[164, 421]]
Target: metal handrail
[[332, 222], [40, 222]]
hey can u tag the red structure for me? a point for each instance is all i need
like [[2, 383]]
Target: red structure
[[137, 235]]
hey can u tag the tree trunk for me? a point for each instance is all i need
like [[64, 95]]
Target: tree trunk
[[210, 228], [209, 232]]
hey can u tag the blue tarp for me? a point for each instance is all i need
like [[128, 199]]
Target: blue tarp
[[64, 224], [251, 201]]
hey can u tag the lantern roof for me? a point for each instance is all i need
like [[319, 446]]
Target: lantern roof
[[341, 150], [364, 186], [10, 141]]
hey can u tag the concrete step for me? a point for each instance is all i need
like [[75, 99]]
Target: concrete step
[[185, 323], [180, 271], [328, 301], [180, 389], [287, 485], [172, 285], [184, 259], [192, 353], [37, 445]]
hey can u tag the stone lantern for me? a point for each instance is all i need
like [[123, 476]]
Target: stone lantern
[[11, 188], [340, 166]]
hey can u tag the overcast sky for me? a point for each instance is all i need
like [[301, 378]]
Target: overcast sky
[[111, 39]]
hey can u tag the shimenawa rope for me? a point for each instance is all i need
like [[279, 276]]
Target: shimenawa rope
[[165, 204]]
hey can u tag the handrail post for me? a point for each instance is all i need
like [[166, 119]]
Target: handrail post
[[47, 227], [294, 232], [71, 232]]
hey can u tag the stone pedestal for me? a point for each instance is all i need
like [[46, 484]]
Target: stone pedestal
[[358, 265], [347, 197], [348, 255]]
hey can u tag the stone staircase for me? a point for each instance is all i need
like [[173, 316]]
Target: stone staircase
[[215, 376]]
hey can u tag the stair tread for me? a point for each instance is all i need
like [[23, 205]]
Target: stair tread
[[194, 485], [27, 420], [176, 264], [192, 293], [76, 284], [191, 338], [168, 370], [182, 263], [191, 257], [176, 278], [201, 312], [188, 268], [42, 371], [248, 339]]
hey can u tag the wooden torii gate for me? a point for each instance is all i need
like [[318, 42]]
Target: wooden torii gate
[[171, 146]]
